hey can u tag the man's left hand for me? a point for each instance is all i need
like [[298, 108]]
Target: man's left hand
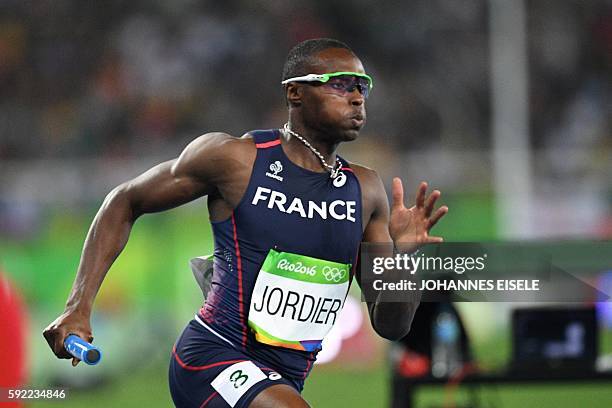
[[412, 225]]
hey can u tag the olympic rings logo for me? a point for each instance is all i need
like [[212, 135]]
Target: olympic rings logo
[[333, 274]]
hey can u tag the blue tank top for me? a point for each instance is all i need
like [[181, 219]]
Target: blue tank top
[[325, 224]]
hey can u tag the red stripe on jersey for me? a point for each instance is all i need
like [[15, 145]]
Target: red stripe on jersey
[[240, 297], [204, 367], [308, 366], [213, 395], [268, 144]]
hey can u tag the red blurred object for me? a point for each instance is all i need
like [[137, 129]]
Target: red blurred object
[[413, 364], [12, 338]]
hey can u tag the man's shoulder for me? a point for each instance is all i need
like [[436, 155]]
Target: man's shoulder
[[216, 152], [365, 174], [372, 188], [221, 144], [224, 140]]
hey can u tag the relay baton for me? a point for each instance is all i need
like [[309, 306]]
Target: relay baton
[[84, 351]]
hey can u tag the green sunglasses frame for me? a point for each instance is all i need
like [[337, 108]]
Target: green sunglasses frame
[[326, 77]]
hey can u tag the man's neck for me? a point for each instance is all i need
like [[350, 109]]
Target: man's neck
[[317, 139]]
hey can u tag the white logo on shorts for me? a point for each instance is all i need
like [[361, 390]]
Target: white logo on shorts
[[233, 382], [275, 168], [273, 375]]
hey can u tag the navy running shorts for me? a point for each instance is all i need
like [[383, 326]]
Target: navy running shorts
[[208, 371]]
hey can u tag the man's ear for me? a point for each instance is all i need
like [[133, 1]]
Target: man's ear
[[293, 94]]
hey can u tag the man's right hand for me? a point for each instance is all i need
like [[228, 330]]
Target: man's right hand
[[67, 323], [211, 163]]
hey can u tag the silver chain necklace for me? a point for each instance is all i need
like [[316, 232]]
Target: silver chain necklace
[[333, 170]]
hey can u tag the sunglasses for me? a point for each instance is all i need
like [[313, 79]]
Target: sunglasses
[[340, 83]]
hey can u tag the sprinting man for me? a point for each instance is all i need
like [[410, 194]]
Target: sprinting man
[[288, 215]]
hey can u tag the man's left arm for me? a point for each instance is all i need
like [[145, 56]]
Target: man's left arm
[[407, 229]]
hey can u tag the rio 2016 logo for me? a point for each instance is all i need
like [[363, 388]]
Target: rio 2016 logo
[[297, 267], [333, 274]]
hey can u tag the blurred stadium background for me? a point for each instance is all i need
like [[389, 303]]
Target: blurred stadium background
[[503, 105]]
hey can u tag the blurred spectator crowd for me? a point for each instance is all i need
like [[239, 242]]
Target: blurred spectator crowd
[[119, 79]]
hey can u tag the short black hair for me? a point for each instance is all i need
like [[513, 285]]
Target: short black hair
[[301, 56]]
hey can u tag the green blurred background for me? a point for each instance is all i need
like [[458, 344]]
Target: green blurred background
[[150, 294]]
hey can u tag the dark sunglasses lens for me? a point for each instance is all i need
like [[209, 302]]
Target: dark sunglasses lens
[[346, 83], [364, 86]]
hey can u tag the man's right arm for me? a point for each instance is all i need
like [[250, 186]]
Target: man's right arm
[[195, 173]]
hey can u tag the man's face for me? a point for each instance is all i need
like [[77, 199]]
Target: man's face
[[340, 116]]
